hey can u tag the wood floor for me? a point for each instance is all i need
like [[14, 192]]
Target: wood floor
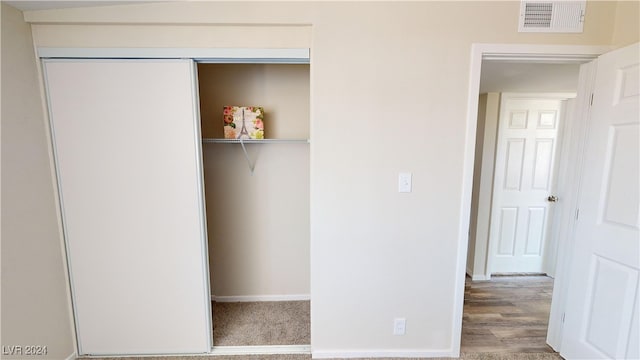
[[509, 314]]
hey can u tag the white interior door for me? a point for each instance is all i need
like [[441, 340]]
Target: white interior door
[[602, 311], [524, 178], [126, 142]]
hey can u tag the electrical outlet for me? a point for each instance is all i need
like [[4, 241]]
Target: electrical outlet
[[399, 326]]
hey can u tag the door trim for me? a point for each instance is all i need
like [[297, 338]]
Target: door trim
[[524, 52], [204, 233], [208, 55], [60, 205]]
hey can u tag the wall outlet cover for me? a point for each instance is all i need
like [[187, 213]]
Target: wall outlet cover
[[399, 326]]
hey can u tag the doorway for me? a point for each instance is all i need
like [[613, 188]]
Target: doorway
[[520, 121], [514, 92], [525, 54]]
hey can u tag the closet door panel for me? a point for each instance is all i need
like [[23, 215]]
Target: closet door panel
[[126, 143]]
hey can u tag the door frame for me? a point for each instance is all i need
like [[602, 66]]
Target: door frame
[[521, 52]]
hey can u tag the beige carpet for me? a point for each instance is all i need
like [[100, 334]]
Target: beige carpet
[[261, 323]]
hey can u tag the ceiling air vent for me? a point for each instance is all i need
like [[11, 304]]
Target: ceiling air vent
[[551, 16]]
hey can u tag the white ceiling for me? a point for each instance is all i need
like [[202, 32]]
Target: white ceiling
[[501, 76]]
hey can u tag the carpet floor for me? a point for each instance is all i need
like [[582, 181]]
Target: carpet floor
[[261, 323]]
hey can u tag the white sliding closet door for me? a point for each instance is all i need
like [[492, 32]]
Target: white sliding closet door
[[127, 146]]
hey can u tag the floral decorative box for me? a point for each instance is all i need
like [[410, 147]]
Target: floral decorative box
[[246, 122]]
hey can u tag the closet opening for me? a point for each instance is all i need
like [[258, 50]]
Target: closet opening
[[256, 184]]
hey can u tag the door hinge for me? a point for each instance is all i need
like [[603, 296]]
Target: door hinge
[[562, 320], [591, 100], [577, 213]]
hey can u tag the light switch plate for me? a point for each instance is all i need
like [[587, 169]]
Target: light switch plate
[[399, 326], [404, 182]]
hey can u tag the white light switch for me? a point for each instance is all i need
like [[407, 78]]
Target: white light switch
[[404, 182]]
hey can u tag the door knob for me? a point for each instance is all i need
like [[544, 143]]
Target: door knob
[[552, 198]]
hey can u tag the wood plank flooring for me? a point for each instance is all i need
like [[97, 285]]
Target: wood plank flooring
[[508, 314]]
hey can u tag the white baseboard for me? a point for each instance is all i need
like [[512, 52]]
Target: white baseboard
[[261, 350], [348, 354], [73, 356], [257, 298], [477, 277], [480, 277]]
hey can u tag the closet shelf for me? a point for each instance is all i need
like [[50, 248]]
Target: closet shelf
[[253, 141], [243, 142]]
